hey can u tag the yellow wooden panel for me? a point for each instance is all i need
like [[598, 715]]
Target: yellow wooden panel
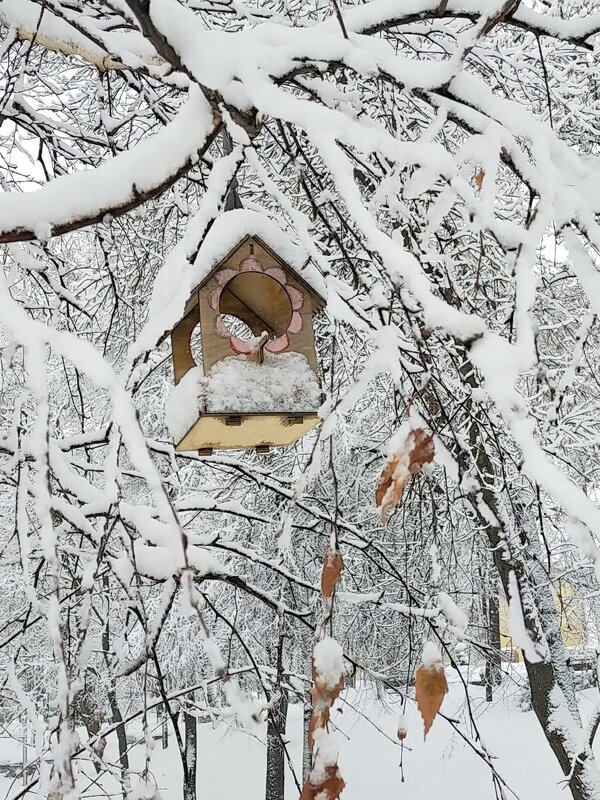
[[212, 431], [214, 346], [183, 359]]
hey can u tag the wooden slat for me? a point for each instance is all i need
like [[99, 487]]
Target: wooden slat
[[183, 360], [254, 430]]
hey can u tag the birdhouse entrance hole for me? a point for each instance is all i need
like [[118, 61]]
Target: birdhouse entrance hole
[[259, 302]]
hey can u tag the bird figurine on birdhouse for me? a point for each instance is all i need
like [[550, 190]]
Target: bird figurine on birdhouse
[[244, 353]]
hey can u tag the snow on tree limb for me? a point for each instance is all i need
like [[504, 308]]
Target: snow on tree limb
[[115, 187], [54, 33], [436, 164]]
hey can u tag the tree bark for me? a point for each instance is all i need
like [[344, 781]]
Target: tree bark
[[275, 778], [493, 675], [553, 697], [552, 694], [121, 739], [551, 685], [306, 753], [114, 704], [191, 754]]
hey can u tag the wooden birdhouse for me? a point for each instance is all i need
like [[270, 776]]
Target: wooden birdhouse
[[244, 353]]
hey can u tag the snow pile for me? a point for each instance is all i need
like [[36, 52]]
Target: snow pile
[[283, 382], [328, 661], [144, 790], [453, 613], [82, 195], [516, 622], [183, 403], [431, 655]]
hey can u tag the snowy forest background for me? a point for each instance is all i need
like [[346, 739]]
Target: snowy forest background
[[163, 615]]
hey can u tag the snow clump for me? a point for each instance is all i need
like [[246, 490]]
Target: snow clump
[[282, 383]]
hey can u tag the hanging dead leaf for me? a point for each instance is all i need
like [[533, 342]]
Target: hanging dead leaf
[[402, 732], [328, 788], [430, 688], [332, 569], [421, 452], [323, 698], [325, 781], [479, 178], [388, 491], [416, 450]]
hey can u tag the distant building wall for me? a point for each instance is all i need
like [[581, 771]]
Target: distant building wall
[[572, 620]]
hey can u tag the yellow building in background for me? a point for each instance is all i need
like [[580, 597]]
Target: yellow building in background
[[572, 619]]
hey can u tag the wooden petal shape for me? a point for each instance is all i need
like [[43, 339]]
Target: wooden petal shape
[[296, 297], [295, 323], [251, 265], [241, 347], [278, 345], [225, 275], [276, 273], [220, 326], [214, 298]]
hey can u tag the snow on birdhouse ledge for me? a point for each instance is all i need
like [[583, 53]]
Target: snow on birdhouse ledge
[[236, 386], [249, 378]]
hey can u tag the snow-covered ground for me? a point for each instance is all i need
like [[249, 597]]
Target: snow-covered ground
[[231, 762]]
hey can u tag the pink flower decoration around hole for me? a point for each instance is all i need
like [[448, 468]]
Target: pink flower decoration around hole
[[252, 264]]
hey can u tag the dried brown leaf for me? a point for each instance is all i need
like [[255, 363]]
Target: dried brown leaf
[[479, 178], [329, 788], [324, 781], [416, 450], [422, 450], [332, 569], [389, 490], [430, 688], [323, 698]]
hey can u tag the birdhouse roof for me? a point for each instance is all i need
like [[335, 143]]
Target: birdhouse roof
[[231, 229]]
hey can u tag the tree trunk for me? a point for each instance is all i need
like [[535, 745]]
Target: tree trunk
[[306, 753], [121, 739], [549, 618], [275, 779], [191, 751], [552, 694], [493, 676], [163, 718], [114, 705], [91, 717]]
